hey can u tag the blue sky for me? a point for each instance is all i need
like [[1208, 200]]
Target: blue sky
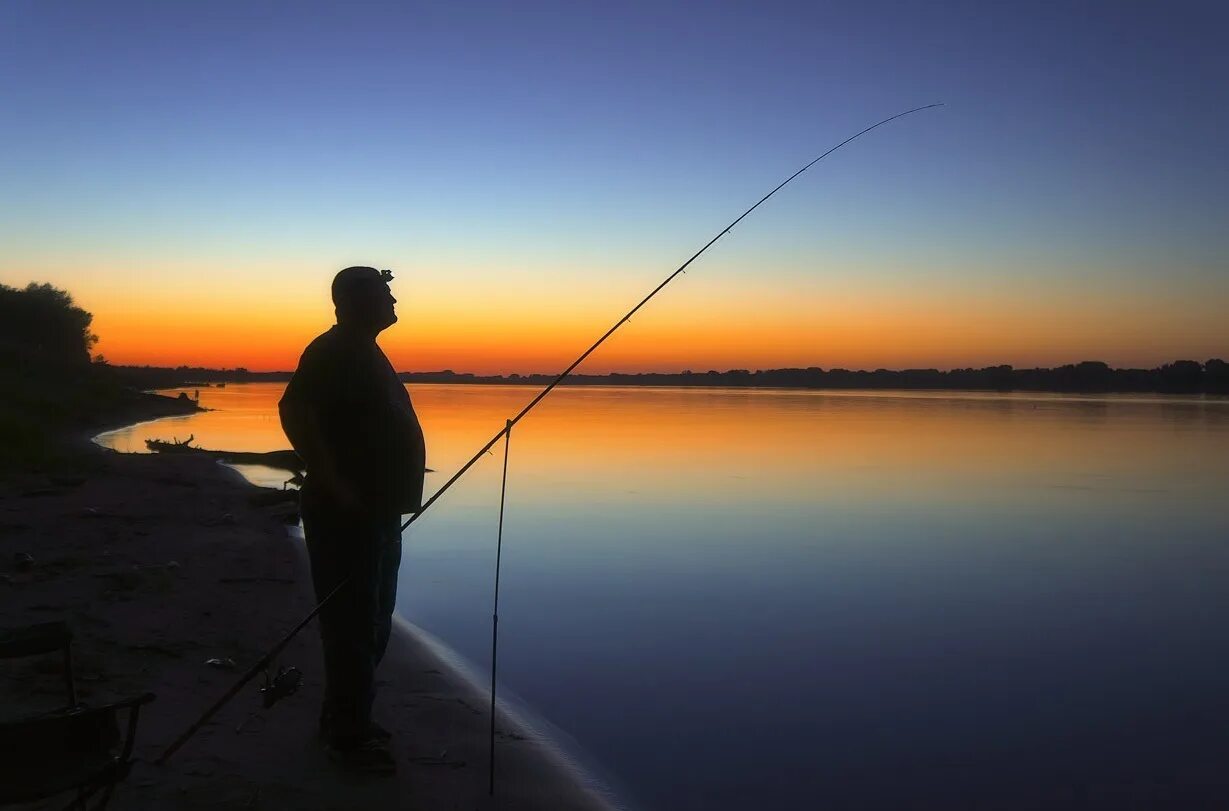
[[1081, 148]]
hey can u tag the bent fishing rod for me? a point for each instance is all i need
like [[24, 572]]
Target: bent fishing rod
[[264, 661]]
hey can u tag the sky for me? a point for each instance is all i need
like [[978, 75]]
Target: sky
[[195, 173]]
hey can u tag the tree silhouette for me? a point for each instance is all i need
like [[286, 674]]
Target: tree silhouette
[[47, 382], [1216, 375], [42, 326]]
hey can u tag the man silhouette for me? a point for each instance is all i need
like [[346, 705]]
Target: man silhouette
[[351, 420]]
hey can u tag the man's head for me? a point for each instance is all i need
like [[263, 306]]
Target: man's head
[[362, 298]]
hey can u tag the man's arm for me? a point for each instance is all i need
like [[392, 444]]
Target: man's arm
[[301, 423], [312, 393]]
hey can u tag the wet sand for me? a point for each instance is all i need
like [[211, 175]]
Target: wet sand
[[159, 563]]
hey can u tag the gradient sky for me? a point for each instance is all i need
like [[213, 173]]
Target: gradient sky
[[195, 172]]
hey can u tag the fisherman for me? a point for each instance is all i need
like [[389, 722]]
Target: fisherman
[[351, 421]]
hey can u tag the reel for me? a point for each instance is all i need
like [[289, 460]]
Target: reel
[[285, 684]]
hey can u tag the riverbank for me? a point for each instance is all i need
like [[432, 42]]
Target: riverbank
[[162, 563]]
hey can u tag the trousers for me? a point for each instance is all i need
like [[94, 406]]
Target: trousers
[[362, 554]]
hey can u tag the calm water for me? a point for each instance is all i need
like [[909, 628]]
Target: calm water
[[734, 599]]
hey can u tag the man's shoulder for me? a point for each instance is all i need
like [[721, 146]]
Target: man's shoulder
[[319, 365], [325, 342], [331, 346]]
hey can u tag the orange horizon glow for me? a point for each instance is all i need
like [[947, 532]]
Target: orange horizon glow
[[260, 313], [719, 326]]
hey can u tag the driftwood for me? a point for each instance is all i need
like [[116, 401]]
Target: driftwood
[[282, 460], [174, 446]]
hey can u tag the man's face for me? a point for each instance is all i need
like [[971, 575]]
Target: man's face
[[374, 304]]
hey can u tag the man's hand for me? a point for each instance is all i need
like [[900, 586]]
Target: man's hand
[[302, 427], [342, 493]]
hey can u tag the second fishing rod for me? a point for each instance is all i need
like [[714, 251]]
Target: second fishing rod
[[264, 661]]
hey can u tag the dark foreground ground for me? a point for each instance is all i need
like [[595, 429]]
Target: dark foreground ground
[[161, 563]]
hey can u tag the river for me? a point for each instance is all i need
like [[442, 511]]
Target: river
[[726, 599]]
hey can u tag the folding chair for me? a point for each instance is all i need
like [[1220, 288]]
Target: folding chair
[[76, 748]]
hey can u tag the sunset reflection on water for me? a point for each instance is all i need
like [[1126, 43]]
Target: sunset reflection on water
[[970, 591]]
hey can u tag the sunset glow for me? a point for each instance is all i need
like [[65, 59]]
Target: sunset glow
[[697, 324], [198, 202]]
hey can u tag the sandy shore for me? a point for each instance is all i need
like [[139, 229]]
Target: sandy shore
[[160, 563]]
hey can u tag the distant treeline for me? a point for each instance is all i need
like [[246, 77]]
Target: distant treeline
[[1182, 376]]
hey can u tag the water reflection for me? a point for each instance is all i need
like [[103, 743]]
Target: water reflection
[[856, 600]]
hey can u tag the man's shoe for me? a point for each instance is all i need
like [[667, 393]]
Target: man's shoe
[[370, 757]]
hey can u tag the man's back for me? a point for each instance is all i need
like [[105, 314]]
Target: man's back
[[363, 416]]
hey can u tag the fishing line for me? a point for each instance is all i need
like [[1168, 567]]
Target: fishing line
[[276, 649], [499, 548]]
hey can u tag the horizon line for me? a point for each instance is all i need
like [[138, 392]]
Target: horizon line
[[813, 369]]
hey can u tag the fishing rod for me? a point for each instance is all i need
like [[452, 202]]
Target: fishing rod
[[632, 312], [263, 662]]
